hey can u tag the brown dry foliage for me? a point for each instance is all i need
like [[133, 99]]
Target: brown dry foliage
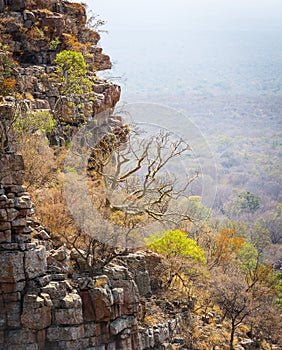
[[38, 160]]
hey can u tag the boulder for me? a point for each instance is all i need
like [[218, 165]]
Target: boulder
[[71, 301], [36, 314], [102, 301], [118, 295], [57, 291], [23, 202], [55, 23], [12, 213], [55, 333], [3, 215], [121, 323], [60, 254], [138, 267], [35, 262], [5, 236], [5, 226], [121, 277], [11, 169], [19, 222], [20, 337], [12, 266], [68, 316]]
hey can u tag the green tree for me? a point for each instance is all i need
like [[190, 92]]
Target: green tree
[[248, 201], [183, 262], [33, 121], [72, 67], [175, 243], [75, 87], [248, 256], [242, 203]]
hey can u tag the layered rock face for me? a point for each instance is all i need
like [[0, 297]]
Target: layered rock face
[[35, 31], [44, 304], [33, 24]]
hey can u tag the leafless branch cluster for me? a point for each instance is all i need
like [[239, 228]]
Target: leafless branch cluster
[[138, 174], [91, 254]]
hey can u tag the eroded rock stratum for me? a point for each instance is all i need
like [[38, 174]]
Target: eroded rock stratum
[[43, 308], [42, 304]]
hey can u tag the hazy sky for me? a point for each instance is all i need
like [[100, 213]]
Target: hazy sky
[[180, 44], [181, 14]]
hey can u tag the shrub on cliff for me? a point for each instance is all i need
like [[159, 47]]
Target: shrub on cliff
[[7, 68], [72, 69], [75, 87]]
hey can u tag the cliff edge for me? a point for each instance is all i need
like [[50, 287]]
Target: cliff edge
[[45, 301]]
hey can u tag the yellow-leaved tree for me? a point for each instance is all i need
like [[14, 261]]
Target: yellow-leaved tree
[[183, 258]]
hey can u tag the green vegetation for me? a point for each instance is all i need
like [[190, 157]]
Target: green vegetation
[[71, 62], [75, 87], [54, 43], [175, 243], [72, 70], [248, 201], [31, 122], [7, 68]]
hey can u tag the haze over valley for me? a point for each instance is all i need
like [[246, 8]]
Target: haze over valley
[[220, 64]]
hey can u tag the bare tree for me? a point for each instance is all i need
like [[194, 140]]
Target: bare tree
[[121, 186], [237, 303], [138, 178]]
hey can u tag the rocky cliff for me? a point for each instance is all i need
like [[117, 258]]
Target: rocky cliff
[[32, 34], [45, 303]]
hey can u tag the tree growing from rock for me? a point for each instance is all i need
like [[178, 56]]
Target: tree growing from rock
[[75, 88], [131, 186], [137, 176]]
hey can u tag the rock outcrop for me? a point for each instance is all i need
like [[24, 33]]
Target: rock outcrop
[[43, 307], [33, 32], [39, 29], [43, 303]]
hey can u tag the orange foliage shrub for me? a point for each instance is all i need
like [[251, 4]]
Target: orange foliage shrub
[[35, 33], [8, 85], [226, 246], [72, 43], [52, 212]]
